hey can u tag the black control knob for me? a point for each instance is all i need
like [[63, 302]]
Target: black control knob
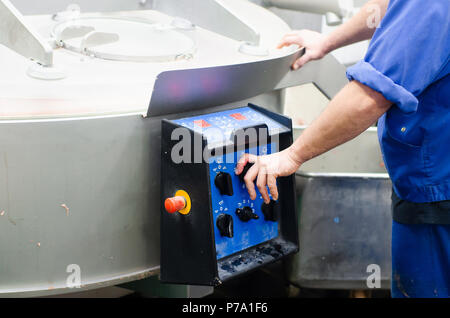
[[246, 214], [245, 170], [224, 223], [224, 183], [271, 210]]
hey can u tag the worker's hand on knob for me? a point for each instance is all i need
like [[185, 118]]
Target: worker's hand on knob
[[266, 169], [315, 45]]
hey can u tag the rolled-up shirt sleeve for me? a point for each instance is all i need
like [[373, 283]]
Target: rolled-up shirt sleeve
[[408, 52]]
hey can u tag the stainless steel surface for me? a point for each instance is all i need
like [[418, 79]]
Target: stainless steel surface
[[364, 176], [298, 20], [313, 6], [106, 172], [333, 19], [85, 190], [213, 15], [344, 217], [183, 90], [28, 7], [327, 74], [86, 35], [361, 155], [345, 226], [17, 35]]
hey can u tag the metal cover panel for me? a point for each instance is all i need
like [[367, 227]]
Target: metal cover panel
[[184, 90]]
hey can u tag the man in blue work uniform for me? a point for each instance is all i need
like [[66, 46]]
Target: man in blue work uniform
[[404, 83]]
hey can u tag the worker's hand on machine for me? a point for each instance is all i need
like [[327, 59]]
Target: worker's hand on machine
[[315, 45], [266, 169]]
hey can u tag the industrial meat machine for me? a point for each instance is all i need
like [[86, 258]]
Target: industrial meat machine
[[84, 89]]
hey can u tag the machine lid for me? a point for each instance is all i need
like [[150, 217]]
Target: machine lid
[[126, 39]]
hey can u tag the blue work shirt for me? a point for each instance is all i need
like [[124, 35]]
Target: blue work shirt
[[408, 62]]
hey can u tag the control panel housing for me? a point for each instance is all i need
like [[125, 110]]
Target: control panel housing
[[225, 233]]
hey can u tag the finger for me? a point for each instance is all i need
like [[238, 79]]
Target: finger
[[301, 61], [245, 158], [289, 40], [241, 164], [249, 178], [293, 34], [272, 183], [261, 184], [285, 36], [283, 43]]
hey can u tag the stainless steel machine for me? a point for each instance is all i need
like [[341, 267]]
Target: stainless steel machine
[[344, 218], [83, 90]]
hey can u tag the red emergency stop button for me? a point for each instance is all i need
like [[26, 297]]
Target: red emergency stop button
[[181, 202], [175, 204]]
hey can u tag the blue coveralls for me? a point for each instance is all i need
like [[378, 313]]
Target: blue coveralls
[[408, 62]]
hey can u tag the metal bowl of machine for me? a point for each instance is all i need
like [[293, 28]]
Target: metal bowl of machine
[[80, 143], [125, 39], [344, 218], [80, 129]]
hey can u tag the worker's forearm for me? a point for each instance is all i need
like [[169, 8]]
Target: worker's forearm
[[360, 27], [354, 109]]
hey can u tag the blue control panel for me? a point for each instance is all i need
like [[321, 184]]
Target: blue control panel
[[218, 127], [246, 234], [207, 216], [242, 233]]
